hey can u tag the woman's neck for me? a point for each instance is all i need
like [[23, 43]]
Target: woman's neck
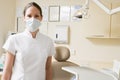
[[34, 33]]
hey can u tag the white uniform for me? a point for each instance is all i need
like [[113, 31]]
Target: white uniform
[[30, 55]]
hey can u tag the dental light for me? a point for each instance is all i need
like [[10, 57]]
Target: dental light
[[83, 12]]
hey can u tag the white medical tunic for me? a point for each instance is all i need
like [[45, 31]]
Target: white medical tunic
[[30, 55]]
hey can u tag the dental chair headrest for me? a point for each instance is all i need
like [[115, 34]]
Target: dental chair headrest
[[62, 53]]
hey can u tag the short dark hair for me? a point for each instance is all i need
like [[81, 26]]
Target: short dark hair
[[32, 4]]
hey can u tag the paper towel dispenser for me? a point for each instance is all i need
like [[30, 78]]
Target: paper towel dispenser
[[61, 34]]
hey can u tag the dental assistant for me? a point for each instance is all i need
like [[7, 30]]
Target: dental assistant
[[29, 53]]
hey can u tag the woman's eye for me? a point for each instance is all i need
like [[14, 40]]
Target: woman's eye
[[36, 16], [29, 16]]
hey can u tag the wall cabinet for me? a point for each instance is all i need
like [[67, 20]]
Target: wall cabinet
[[115, 22], [110, 24], [98, 23]]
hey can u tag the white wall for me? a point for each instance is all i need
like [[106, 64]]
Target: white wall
[[92, 52], [7, 19]]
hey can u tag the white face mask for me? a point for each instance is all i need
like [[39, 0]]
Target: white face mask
[[32, 24]]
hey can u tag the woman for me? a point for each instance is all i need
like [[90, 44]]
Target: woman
[[29, 53]]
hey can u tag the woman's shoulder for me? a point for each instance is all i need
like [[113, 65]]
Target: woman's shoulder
[[15, 36]]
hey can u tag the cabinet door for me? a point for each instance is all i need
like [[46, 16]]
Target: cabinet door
[[99, 21], [115, 22]]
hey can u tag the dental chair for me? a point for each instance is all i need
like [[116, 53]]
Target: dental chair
[[61, 57], [115, 71]]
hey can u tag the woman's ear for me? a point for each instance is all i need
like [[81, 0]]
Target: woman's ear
[[24, 18], [41, 18]]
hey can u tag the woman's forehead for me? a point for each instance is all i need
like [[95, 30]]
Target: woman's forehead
[[32, 10]]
